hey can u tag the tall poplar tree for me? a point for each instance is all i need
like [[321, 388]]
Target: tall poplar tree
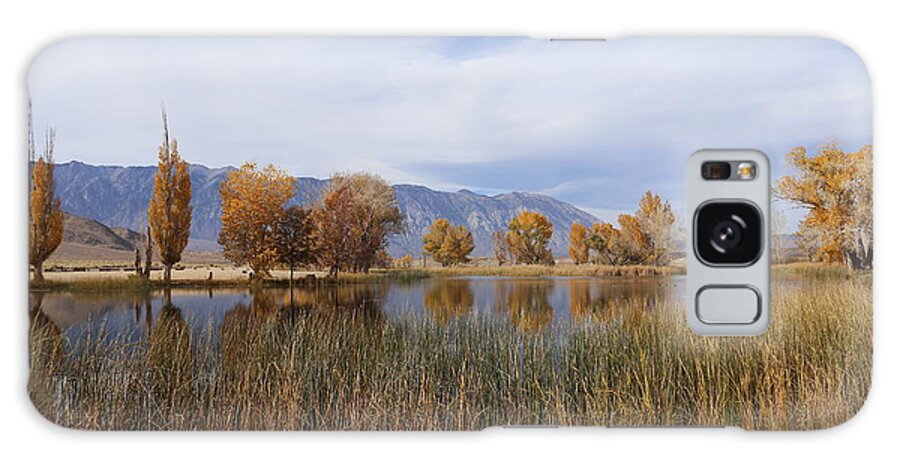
[[45, 218], [170, 210]]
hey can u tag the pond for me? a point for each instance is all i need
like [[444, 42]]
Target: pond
[[528, 304]]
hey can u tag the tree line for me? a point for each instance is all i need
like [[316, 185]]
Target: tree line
[[347, 229], [647, 237]]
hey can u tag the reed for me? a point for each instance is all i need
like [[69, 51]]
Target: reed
[[326, 370]]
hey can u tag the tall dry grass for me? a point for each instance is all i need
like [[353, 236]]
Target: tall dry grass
[[299, 369]]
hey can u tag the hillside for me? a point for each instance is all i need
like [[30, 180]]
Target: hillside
[[88, 232], [118, 196]]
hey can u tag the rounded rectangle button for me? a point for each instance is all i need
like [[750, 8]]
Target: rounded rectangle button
[[728, 304]]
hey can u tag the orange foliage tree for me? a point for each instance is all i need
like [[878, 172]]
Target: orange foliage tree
[[448, 244], [528, 236], [646, 237], [354, 218], [45, 218], [169, 215], [252, 201], [578, 246], [835, 187]]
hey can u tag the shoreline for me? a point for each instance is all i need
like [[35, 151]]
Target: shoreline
[[110, 281]]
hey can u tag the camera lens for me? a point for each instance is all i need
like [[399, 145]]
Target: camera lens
[[728, 233]]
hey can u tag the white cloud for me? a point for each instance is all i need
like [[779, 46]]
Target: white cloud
[[432, 111]]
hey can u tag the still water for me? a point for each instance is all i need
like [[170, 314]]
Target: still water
[[529, 304]]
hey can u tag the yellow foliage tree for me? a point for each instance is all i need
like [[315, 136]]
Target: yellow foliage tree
[[835, 187], [578, 246], [528, 236], [448, 244], [45, 218], [170, 209], [606, 242], [647, 237], [636, 244], [657, 223], [252, 202]]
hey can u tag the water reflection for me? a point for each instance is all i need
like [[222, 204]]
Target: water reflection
[[529, 304], [169, 350], [612, 303], [449, 300], [46, 339]]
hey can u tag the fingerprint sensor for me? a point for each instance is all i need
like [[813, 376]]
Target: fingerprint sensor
[[728, 304]]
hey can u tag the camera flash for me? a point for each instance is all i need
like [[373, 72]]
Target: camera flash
[[746, 170]]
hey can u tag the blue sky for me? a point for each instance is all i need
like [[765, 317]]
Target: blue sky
[[592, 123]]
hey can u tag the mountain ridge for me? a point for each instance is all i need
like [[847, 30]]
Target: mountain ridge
[[118, 196]]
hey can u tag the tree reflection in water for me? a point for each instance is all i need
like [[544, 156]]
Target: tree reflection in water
[[277, 320], [448, 300], [528, 304], [45, 339], [169, 354], [610, 304]]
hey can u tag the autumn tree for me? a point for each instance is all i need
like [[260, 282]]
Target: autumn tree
[[646, 237], [404, 262], [293, 238], [252, 201], [608, 243], [501, 247], [170, 209], [448, 244], [528, 236], [835, 187], [45, 219], [635, 245], [353, 220], [578, 246], [618, 246], [657, 224], [332, 228]]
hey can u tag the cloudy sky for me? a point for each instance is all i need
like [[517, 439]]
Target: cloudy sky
[[592, 123]]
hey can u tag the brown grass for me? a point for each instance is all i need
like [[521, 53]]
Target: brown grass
[[324, 369]]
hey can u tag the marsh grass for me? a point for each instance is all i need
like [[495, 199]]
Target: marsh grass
[[331, 370], [814, 270]]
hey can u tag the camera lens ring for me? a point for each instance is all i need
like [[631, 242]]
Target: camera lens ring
[[743, 246]]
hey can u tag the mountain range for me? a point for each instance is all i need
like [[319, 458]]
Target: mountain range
[[118, 197]]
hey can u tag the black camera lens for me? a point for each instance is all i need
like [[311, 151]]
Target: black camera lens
[[728, 233]]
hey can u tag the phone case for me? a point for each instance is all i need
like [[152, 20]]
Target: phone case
[[435, 233]]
